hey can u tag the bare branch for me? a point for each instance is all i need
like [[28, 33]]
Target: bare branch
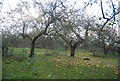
[[71, 43], [63, 37], [26, 36], [113, 8], [108, 19], [101, 5], [77, 34], [78, 43], [86, 5], [38, 35]]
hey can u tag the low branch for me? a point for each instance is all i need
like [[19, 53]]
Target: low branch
[[63, 37], [38, 35], [47, 26], [79, 42], [77, 34], [104, 24], [26, 36], [71, 43]]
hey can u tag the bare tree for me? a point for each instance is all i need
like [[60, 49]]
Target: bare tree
[[46, 18], [73, 30], [110, 20]]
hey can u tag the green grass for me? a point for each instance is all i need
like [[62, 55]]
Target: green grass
[[58, 67]]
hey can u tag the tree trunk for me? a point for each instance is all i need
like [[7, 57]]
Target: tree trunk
[[105, 51], [118, 50], [72, 51], [32, 49]]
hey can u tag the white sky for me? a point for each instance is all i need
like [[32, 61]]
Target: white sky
[[11, 4], [7, 4], [94, 10]]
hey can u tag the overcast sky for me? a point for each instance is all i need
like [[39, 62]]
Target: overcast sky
[[11, 4], [91, 11], [95, 9]]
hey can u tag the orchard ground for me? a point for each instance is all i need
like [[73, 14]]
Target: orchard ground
[[58, 65]]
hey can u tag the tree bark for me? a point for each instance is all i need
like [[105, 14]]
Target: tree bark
[[72, 51], [32, 49], [118, 50], [105, 50]]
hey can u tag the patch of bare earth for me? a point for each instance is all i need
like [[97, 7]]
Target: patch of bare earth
[[42, 53], [85, 53]]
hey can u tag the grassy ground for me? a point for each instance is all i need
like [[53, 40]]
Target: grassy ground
[[59, 66]]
